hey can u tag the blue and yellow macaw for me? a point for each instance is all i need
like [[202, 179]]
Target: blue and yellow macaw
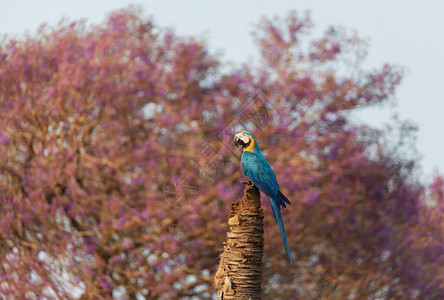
[[257, 168]]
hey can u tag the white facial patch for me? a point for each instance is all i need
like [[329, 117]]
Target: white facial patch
[[243, 137]]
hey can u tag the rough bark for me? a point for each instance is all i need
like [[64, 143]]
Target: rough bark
[[239, 275]]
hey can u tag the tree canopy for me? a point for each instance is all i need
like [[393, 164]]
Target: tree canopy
[[117, 165]]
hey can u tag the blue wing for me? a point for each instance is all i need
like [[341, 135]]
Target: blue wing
[[257, 168]]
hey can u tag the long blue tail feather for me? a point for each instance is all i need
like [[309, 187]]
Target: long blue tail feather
[[278, 217]]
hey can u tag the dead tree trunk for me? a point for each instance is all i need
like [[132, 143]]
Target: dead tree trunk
[[240, 268]]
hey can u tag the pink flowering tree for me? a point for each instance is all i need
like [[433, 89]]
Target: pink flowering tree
[[117, 165]]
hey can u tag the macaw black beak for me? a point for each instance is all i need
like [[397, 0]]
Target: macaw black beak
[[238, 142]]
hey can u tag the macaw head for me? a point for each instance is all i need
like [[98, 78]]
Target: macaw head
[[245, 140]]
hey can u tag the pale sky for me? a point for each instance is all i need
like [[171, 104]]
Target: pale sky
[[409, 33]]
